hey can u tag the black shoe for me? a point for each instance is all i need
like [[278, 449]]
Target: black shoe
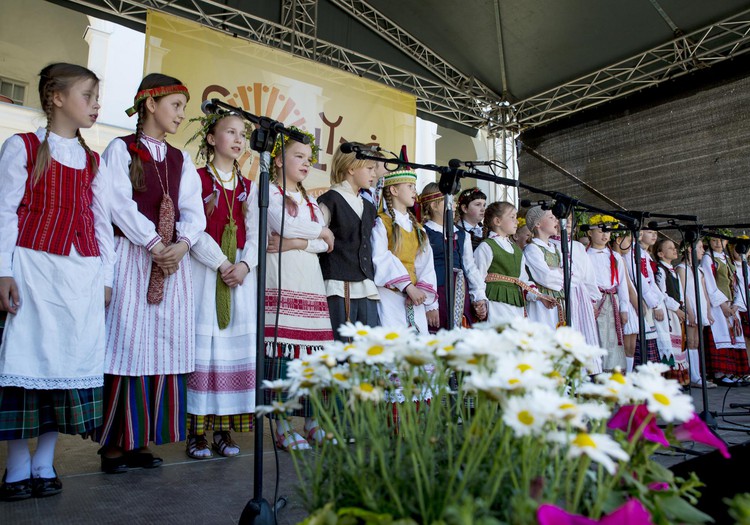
[[15, 490], [135, 459], [116, 465], [43, 487]]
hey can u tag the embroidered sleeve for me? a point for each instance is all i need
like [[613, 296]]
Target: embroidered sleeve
[[715, 296], [13, 177], [542, 274], [250, 252], [473, 275], [192, 215], [389, 271], [424, 266]]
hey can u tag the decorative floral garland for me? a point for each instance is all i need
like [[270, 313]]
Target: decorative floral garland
[[285, 140]]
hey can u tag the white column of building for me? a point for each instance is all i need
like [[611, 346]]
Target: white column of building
[[506, 152], [426, 139]]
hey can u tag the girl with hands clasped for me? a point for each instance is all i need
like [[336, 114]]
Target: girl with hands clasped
[[404, 269], [150, 323], [297, 318], [221, 390], [56, 254]]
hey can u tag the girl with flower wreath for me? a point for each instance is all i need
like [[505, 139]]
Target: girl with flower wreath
[[150, 345], [221, 390], [611, 311], [726, 355], [741, 291], [522, 237], [297, 317], [622, 243]]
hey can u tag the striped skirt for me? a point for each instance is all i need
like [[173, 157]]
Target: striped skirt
[[26, 413], [652, 351], [138, 410]]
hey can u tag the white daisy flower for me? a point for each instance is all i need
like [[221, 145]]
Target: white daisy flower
[[601, 448], [279, 385], [365, 391], [372, 353], [524, 416], [354, 330], [278, 407], [341, 376], [664, 397]]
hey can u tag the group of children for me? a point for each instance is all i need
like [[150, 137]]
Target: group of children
[[130, 280]]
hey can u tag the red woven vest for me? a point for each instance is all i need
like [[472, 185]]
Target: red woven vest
[[220, 217], [55, 213]]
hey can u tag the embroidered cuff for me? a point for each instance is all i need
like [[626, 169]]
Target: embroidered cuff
[[400, 283], [185, 240], [153, 242]]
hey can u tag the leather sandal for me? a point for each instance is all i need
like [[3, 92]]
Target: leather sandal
[[291, 440], [226, 446], [197, 447], [15, 490]]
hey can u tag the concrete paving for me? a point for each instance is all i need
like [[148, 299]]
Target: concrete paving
[[215, 491]]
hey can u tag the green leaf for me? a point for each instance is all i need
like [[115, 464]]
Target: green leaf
[[680, 511]]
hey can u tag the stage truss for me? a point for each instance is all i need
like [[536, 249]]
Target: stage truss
[[451, 95]]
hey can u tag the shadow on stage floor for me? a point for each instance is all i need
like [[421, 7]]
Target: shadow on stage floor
[[215, 491]]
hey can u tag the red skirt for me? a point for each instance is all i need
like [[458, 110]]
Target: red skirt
[[728, 361]]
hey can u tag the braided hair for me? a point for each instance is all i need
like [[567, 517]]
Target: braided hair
[[209, 151], [496, 209], [153, 80], [58, 78], [394, 244], [289, 204]]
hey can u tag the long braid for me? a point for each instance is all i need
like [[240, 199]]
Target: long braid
[[394, 243], [303, 191], [43, 155], [89, 153], [245, 205], [137, 177], [289, 204]]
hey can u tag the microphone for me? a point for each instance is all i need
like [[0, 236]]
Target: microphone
[[546, 205], [353, 147], [653, 225], [455, 163], [605, 227], [208, 107]]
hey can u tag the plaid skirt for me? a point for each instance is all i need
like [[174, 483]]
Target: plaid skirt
[[729, 361], [652, 351], [141, 409], [745, 320], [199, 425], [27, 413]]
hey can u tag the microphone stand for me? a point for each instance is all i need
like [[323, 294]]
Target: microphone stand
[[258, 511]]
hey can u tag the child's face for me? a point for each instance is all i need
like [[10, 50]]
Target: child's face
[[522, 236], [668, 251], [437, 209], [548, 224], [362, 177], [648, 237], [599, 238], [228, 138], [699, 251], [474, 211], [78, 106], [167, 112], [404, 193], [717, 245], [298, 159], [507, 223]]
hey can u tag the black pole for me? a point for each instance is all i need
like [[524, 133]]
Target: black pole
[[566, 266], [639, 293]]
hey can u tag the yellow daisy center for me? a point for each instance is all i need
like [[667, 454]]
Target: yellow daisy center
[[523, 367], [375, 350], [526, 417], [390, 336], [513, 381], [362, 332], [366, 387], [448, 348], [338, 376], [618, 378], [349, 348], [661, 398], [584, 440], [567, 406]]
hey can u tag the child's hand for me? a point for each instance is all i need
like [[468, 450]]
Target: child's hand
[[548, 302], [10, 300], [107, 295], [416, 296], [274, 241], [171, 256], [659, 315], [680, 314], [433, 318], [158, 248], [223, 267], [726, 309], [327, 235], [480, 308], [235, 275], [710, 318], [624, 318]]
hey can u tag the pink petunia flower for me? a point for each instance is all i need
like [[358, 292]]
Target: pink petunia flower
[[629, 513], [696, 430], [639, 413]]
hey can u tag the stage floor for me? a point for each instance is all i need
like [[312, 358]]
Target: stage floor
[[215, 491]]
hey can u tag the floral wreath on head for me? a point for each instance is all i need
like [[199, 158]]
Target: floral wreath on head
[[720, 231], [603, 220], [521, 221], [206, 122], [285, 140]]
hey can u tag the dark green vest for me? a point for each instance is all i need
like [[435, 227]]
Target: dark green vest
[[553, 261], [509, 264]]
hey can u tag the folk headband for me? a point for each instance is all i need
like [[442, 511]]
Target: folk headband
[[430, 197], [156, 92], [399, 176]]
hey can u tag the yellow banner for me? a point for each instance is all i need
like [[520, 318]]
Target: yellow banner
[[333, 105]]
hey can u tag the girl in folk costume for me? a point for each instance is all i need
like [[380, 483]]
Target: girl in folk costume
[[502, 265], [741, 291], [221, 390], [622, 244], [522, 237], [348, 270], [584, 293], [55, 262], [670, 330], [404, 268], [611, 311], [465, 271], [471, 205], [150, 327], [726, 356], [544, 267], [297, 319], [687, 284]]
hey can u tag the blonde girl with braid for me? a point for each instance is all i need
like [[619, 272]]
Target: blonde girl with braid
[[221, 391], [150, 324], [404, 266], [297, 318], [56, 254]]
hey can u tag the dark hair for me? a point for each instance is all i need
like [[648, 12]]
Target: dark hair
[[468, 195], [57, 78], [496, 209], [150, 81]]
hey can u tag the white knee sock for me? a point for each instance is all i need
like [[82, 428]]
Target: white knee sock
[[695, 365], [282, 425], [19, 460], [629, 361], [41, 463]]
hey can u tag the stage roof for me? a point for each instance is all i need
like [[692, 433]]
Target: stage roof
[[481, 63]]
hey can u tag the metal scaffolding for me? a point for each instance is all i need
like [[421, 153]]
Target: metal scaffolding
[[451, 95]]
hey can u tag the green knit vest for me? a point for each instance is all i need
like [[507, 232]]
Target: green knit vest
[[509, 264], [553, 261], [724, 279]]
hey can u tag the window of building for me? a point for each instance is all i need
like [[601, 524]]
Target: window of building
[[12, 90]]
